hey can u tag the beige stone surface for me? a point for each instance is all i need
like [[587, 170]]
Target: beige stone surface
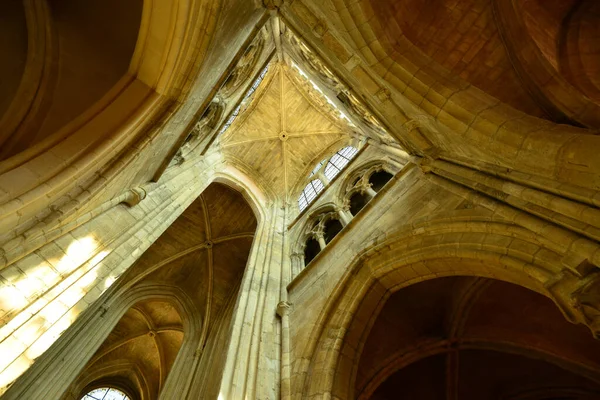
[[151, 242]]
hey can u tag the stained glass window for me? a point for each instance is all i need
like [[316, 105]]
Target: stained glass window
[[105, 394]]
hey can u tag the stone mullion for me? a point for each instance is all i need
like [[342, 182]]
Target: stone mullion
[[321, 240], [322, 178], [345, 216], [369, 192]]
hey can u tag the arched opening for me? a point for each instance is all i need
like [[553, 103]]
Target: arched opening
[[475, 338], [106, 393], [13, 47], [579, 50], [207, 248], [332, 228], [357, 202], [197, 266], [311, 250], [137, 355], [77, 54], [461, 36], [378, 179], [420, 253]]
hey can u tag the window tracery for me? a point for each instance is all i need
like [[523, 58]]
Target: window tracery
[[105, 393], [364, 185], [310, 192], [334, 165], [324, 228], [339, 161], [248, 94]]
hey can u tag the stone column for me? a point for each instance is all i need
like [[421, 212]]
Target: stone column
[[321, 239], [283, 309], [252, 369], [297, 263], [370, 192], [345, 216]]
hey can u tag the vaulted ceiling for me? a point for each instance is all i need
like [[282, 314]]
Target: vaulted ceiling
[[284, 131], [141, 349], [474, 338], [203, 253]]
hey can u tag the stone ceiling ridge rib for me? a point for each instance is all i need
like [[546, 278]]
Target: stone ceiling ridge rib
[[285, 128]]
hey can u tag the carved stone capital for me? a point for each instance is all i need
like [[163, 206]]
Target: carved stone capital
[[578, 298], [586, 300], [134, 196], [283, 308], [383, 94]]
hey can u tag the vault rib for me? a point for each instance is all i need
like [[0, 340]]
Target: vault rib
[[229, 145]]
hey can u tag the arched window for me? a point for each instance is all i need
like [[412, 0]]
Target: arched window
[[248, 94], [339, 161], [332, 228], [357, 202], [309, 193], [105, 393], [378, 179], [311, 250], [318, 167], [334, 166], [256, 83]]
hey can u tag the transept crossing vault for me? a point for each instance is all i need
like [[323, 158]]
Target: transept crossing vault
[[299, 199]]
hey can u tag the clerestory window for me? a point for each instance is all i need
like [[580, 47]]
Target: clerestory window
[[339, 161], [309, 193], [248, 94], [335, 165], [105, 393]]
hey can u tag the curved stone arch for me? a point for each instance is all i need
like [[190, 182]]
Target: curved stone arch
[[540, 77], [206, 125], [257, 198], [102, 378], [324, 157], [53, 372], [422, 251], [462, 111], [39, 75], [69, 159], [236, 166], [242, 72], [366, 169], [159, 49], [401, 359], [313, 215], [314, 220]]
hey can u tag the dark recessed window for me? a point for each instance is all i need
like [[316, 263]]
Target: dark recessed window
[[332, 228], [357, 202], [311, 250], [379, 179]]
